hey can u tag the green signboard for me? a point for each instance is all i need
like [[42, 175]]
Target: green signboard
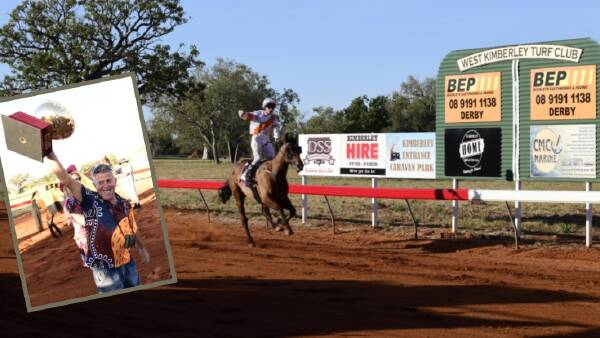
[[520, 89]]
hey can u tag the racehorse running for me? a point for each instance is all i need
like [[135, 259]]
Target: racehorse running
[[271, 186]]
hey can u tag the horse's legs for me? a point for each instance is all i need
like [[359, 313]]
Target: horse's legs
[[239, 200], [286, 224], [268, 217], [53, 228], [287, 204]]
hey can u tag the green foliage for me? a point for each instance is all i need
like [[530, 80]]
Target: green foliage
[[49, 43], [20, 182], [413, 108], [325, 121], [566, 228], [410, 109], [208, 114]]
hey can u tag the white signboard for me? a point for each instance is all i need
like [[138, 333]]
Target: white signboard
[[563, 151], [363, 155], [320, 154], [554, 52], [410, 155]]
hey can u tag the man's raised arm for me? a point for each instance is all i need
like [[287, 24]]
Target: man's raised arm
[[63, 176]]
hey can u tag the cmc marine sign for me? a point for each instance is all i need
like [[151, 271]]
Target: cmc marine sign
[[473, 152], [563, 151]]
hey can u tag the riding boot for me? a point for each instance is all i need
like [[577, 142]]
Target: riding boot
[[249, 175]]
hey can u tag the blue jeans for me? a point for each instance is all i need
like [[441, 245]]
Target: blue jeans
[[125, 276]]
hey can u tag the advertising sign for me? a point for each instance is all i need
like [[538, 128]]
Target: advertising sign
[[363, 155], [553, 52], [473, 98], [321, 154], [473, 152], [411, 155], [563, 93], [563, 151]]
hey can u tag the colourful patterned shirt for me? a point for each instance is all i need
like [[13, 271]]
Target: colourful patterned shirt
[[107, 226]]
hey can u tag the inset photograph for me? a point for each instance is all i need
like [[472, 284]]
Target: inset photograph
[[84, 209]]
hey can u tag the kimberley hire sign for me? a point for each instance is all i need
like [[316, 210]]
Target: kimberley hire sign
[[363, 155]]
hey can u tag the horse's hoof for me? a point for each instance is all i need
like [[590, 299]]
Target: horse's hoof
[[279, 228], [251, 245], [289, 232]]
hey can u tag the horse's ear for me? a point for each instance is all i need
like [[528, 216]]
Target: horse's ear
[[291, 138]]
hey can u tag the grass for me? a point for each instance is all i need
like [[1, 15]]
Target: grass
[[488, 216]]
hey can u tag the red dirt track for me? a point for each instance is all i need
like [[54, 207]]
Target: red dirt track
[[361, 282]]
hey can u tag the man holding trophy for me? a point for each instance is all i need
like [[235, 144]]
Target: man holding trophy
[[110, 224]]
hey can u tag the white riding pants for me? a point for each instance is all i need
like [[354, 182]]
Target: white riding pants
[[261, 149]]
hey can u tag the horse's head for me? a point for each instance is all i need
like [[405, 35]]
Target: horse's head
[[293, 151]]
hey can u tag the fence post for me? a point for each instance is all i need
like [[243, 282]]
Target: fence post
[[454, 207], [518, 208], [588, 218], [373, 204], [304, 201]]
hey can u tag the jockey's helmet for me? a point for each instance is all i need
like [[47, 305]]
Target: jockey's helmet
[[268, 101]]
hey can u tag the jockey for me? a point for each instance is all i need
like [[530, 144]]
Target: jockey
[[262, 122]]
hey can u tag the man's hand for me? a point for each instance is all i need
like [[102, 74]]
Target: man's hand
[[62, 175]]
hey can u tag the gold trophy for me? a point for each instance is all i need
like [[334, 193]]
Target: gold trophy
[[31, 135]]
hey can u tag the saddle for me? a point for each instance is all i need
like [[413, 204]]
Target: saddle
[[250, 176]]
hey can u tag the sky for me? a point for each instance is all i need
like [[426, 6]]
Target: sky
[[106, 122], [331, 52]]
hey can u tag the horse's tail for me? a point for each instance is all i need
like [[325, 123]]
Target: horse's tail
[[224, 192]]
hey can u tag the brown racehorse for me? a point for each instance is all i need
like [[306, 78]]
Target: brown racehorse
[[271, 186]]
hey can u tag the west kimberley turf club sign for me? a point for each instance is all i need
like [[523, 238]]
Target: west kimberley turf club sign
[[491, 101], [398, 155]]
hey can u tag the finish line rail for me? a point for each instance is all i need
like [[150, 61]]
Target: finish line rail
[[475, 195]]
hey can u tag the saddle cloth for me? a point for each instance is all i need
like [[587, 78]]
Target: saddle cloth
[[253, 173]]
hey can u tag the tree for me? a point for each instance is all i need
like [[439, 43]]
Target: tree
[[288, 112], [49, 43], [208, 114], [19, 182], [162, 140], [365, 115], [354, 115], [325, 121], [413, 108]]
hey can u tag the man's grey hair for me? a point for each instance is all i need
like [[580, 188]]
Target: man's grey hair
[[101, 168]]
